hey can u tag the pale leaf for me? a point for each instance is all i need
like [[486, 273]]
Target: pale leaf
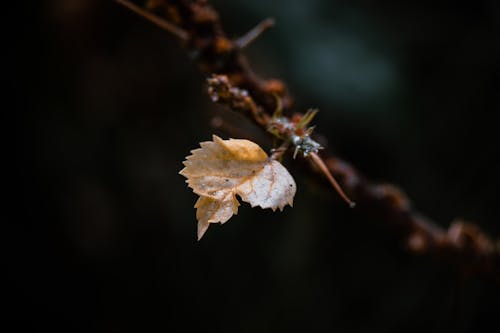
[[222, 169]]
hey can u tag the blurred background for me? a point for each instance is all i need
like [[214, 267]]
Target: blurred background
[[104, 236]]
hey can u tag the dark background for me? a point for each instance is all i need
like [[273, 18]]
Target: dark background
[[102, 238]]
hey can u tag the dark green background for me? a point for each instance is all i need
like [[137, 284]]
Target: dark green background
[[103, 239]]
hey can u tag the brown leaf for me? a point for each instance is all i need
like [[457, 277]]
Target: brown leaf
[[222, 169]]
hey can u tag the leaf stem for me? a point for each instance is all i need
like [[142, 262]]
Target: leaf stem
[[277, 153]]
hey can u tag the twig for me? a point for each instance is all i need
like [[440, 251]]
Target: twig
[[167, 26], [464, 244]]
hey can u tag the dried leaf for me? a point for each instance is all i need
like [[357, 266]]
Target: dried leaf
[[222, 169]]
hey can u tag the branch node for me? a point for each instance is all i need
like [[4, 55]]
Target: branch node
[[466, 235], [222, 91], [393, 196]]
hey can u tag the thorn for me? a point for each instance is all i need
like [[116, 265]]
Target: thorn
[[158, 21], [321, 165], [252, 35], [278, 111], [307, 118], [310, 130]]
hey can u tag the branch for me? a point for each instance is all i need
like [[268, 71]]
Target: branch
[[462, 244]]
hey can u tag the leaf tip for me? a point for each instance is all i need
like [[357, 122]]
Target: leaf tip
[[202, 228], [216, 138]]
